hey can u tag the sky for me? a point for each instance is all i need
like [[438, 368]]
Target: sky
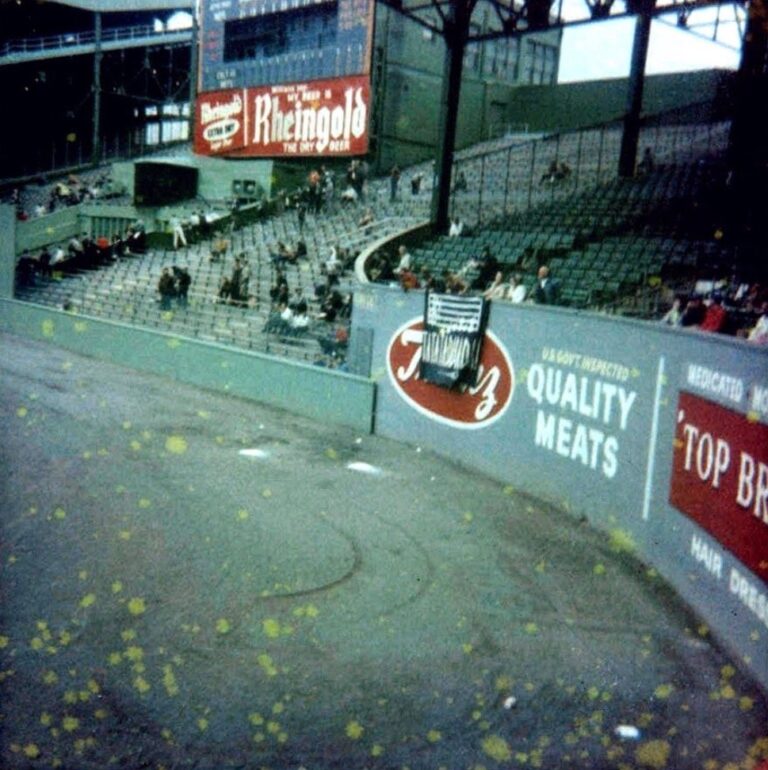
[[603, 49]]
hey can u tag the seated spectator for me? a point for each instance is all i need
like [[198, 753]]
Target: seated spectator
[[136, 240], [547, 290], [300, 320], [279, 320], [758, 334], [334, 344], [59, 256], [75, 247], [404, 260], [674, 316], [298, 302], [517, 291], [409, 279], [301, 249], [349, 195], [456, 228], [715, 315], [498, 288], [285, 253], [454, 283], [118, 246], [488, 267], [416, 181], [693, 314]]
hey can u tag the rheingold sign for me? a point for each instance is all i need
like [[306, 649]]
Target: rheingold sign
[[320, 118]]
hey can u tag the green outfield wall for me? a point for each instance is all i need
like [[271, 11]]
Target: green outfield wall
[[315, 392]]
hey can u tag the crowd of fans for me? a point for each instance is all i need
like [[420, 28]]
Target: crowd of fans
[[47, 198], [81, 252], [725, 307]]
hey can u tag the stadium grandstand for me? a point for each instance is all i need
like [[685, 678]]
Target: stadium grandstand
[[371, 399]]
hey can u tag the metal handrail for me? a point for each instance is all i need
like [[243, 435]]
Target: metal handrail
[[69, 39]]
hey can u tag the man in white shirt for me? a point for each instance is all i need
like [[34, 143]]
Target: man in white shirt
[[404, 262]]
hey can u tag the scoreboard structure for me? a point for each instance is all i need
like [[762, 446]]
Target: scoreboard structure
[[284, 78]]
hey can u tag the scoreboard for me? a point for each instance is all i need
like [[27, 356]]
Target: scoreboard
[[284, 77]]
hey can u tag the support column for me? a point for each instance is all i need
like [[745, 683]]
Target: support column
[[750, 121], [97, 54], [747, 151], [193, 66], [455, 34], [631, 133]]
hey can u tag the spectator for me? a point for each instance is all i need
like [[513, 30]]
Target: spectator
[[298, 303], [547, 290], [394, 181], [456, 228], [44, 262], [225, 290], [167, 289], [301, 214], [416, 181], [454, 284], [461, 183], [694, 311], [488, 267], [349, 195], [408, 279], [183, 281], [333, 264], [517, 291], [404, 260], [300, 321], [498, 288], [674, 316], [758, 334], [646, 164], [715, 315]]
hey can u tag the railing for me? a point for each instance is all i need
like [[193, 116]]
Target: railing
[[514, 178], [34, 45]]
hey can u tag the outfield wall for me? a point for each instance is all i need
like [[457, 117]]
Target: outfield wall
[[658, 436], [322, 394]]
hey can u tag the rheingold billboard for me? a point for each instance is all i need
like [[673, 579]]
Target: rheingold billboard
[[317, 118]]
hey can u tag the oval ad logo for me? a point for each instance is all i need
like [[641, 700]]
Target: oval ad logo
[[221, 130], [474, 408]]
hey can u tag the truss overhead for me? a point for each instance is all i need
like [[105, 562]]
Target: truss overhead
[[511, 18]]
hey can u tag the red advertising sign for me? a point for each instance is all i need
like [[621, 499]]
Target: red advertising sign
[[319, 118], [475, 407], [720, 477]]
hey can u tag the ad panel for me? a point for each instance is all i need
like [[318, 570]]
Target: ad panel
[[613, 420], [720, 477], [322, 118]]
